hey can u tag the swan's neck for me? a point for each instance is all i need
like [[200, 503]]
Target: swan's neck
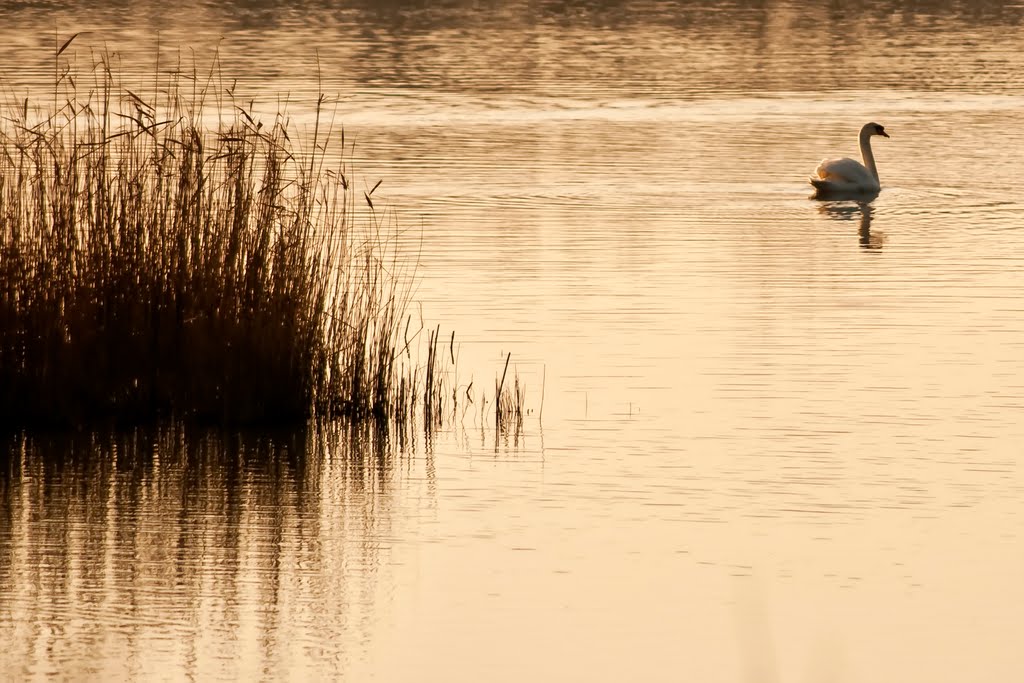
[[866, 155]]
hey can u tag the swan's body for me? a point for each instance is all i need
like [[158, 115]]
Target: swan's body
[[848, 176]]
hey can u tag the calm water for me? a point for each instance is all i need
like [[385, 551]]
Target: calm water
[[780, 437]]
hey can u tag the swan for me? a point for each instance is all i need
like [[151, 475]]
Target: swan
[[848, 176]]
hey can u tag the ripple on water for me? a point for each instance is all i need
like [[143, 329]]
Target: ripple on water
[[739, 382]]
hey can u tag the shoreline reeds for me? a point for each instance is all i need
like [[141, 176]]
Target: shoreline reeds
[[154, 265], [180, 257]]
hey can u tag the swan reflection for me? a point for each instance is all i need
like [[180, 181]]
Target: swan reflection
[[859, 210]]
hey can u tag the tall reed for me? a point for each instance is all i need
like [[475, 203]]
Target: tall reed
[[509, 400], [174, 255]]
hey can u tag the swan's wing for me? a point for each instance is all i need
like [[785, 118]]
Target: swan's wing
[[845, 171]]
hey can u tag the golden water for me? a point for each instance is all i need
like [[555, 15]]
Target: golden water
[[780, 437]]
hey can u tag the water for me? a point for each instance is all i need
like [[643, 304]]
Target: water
[[780, 437]]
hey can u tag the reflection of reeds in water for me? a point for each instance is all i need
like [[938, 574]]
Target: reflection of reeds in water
[[191, 554], [154, 265]]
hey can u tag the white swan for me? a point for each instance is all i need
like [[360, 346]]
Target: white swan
[[848, 176]]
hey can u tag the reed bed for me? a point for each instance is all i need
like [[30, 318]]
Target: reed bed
[[178, 256]]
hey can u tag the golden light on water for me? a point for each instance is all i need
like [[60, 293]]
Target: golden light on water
[[780, 437]]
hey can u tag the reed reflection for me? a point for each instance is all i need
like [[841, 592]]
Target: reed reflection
[[191, 555]]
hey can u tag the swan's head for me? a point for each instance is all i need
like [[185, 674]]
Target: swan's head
[[873, 129]]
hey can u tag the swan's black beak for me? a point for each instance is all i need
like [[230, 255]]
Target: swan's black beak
[[883, 133]]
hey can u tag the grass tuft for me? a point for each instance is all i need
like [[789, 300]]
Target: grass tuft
[[509, 402]]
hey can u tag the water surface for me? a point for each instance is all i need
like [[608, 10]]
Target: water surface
[[780, 437]]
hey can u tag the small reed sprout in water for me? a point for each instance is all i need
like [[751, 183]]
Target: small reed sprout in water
[[175, 255], [509, 402]]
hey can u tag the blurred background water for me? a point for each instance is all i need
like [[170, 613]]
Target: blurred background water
[[780, 437]]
